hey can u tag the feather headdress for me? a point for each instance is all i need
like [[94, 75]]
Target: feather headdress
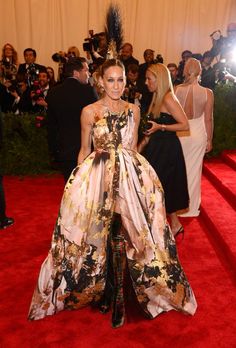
[[114, 32]]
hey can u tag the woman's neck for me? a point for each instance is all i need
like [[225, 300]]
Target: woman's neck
[[113, 105]]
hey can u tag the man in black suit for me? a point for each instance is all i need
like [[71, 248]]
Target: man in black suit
[[65, 103], [127, 56], [30, 69], [5, 221]]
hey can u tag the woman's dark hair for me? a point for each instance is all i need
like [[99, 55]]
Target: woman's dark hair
[[74, 63], [109, 63]]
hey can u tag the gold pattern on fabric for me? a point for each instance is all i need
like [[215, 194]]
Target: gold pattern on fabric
[[112, 177]]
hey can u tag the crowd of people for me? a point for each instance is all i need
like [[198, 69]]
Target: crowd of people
[[23, 87], [124, 194]]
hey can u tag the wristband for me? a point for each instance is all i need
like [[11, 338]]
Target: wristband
[[163, 127]]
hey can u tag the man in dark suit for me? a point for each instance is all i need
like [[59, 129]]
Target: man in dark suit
[[30, 69], [65, 103], [127, 56], [5, 221]]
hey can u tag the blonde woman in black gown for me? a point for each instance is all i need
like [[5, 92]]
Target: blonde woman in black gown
[[163, 149]]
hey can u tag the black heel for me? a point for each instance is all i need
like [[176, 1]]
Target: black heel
[[179, 232]]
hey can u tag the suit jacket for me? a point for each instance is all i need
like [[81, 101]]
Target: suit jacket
[[65, 103], [129, 61], [22, 70]]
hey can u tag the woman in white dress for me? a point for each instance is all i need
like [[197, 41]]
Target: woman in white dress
[[197, 103]]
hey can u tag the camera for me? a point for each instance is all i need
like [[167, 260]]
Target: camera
[[32, 74], [59, 57], [37, 90], [6, 63], [9, 70], [91, 43], [130, 92], [14, 87]]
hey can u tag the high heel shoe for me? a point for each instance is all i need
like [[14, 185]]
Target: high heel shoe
[[179, 232]]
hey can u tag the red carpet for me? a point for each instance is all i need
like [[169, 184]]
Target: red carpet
[[33, 202]]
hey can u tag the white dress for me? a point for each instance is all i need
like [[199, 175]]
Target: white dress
[[193, 99]]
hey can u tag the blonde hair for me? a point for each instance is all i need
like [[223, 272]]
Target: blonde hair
[[192, 70], [164, 85], [14, 53], [75, 50]]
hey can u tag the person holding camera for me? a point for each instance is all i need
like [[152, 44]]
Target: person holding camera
[[95, 47], [8, 76], [30, 69], [65, 103], [19, 99], [223, 47], [185, 55], [208, 76], [61, 58], [131, 92], [146, 96], [39, 92], [8, 63]]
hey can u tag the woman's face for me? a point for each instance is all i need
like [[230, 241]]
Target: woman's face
[[8, 51], [113, 82], [151, 81], [50, 73]]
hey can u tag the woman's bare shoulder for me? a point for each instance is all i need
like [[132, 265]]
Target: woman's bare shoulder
[[169, 97], [91, 108], [134, 108]]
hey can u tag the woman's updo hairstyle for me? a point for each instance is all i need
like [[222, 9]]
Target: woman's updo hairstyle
[[192, 69], [109, 63]]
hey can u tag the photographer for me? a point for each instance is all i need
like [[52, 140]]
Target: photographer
[[39, 92], [8, 63], [21, 101], [62, 57], [185, 55], [95, 47], [30, 69], [131, 92], [224, 47]]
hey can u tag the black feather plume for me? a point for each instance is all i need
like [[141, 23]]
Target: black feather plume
[[113, 27]]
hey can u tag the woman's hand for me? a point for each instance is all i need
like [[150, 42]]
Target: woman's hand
[[209, 146], [154, 127]]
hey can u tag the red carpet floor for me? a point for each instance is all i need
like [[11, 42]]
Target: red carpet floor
[[34, 202]]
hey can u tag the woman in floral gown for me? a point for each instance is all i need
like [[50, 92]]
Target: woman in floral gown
[[112, 217]]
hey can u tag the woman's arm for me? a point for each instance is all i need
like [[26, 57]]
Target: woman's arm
[[86, 127], [208, 117], [136, 112], [171, 106]]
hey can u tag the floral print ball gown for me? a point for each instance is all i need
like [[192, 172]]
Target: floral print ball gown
[[111, 179]]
